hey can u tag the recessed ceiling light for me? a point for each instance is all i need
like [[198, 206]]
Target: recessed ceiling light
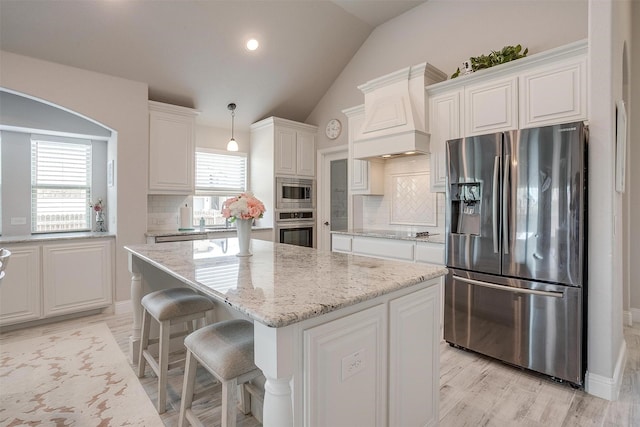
[[385, 156], [408, 153], [252, 44]]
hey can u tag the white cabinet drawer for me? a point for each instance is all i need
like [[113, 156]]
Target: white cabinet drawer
[[340, 243], [386, 248], [432, 253]]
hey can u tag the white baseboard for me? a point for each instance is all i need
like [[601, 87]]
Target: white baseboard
[[605, 387], [627, 318], [635, 314], [123, 307]]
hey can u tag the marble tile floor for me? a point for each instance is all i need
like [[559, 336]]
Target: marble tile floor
[[474, 390]]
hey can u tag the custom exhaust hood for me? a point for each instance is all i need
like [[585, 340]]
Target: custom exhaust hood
[[395, 113]]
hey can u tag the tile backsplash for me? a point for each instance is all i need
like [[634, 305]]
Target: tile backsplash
[[407, 204], [163, 212]]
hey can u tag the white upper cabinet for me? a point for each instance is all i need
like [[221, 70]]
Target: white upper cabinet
[[554, 93], [365, 176], [491, 106], [540, 90], [171, 149], [295, 151], [445, 118], [306, 154]]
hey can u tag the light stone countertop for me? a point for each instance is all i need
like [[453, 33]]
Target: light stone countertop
[[281, 284], [47, 237], [393, 234]]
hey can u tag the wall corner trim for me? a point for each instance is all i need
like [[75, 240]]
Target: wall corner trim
[[606, 387]]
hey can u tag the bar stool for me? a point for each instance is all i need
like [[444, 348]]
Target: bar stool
[[225, 349], [168, 307]]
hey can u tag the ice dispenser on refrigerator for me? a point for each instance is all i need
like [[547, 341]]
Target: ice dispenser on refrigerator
[[466, 205]]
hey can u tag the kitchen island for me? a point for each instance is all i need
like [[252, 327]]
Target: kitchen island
[[340, 339]]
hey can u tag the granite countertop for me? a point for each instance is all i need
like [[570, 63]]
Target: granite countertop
[[281, 284], [45, 237], [163, 233], [393, 234]]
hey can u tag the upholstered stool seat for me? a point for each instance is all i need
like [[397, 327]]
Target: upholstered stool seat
[[168, 307], [225, 349]]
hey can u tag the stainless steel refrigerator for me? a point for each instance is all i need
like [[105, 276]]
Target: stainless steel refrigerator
[[515, 248]]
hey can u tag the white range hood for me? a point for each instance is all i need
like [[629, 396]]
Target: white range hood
[[395, 114]]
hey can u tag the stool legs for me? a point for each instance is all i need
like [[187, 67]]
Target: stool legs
[[163, 357], [190, 368], [229, 397], [165, 341], [144, 342]]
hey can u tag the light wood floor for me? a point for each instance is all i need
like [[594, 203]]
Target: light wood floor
[[474, 390]]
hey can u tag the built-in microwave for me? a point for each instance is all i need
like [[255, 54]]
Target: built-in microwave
[[294, 193]]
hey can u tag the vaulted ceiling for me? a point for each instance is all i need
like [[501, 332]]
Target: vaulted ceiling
[[192, 52]]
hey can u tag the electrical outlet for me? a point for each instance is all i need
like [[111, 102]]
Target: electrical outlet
[[353, 363], [18, 220]]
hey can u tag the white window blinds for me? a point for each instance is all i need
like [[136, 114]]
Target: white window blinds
[[60, 185], [220, 173]]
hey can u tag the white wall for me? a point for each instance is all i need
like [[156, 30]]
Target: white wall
[[120, 105], [633, 172], [22, 112], [609, 29], [444, 33]]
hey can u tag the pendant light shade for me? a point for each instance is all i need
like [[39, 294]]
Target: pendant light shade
[[232, 145]]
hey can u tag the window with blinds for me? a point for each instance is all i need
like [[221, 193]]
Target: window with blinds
[[220, 173], [60, 186], [219, 176]]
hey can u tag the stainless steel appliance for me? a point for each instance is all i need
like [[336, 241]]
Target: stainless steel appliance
[[296, 227], [294, 193], [515, 246]]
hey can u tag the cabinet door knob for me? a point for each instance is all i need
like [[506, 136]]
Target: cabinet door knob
[[326, 223]]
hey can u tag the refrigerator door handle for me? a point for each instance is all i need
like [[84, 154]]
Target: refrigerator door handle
[[509, 288], [496, 177], [505, 204]]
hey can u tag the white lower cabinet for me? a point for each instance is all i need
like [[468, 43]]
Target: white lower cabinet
[[76, 276], [412, 319], [384, 248], [405, 250], [376, 367], [346, 366], [431, 253], [51, 279], [340, 243], [20, 291]]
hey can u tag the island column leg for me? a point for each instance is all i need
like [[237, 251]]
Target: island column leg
[[274, 355], [136, 296]]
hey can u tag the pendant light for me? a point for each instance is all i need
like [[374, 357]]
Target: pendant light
[[232, 145]]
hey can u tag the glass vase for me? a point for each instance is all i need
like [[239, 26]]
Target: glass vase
[[100, 225]]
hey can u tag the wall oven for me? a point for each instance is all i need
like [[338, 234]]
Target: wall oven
[[296, 227], [294, 193]]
